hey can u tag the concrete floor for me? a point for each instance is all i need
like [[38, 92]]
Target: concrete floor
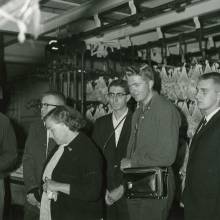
[[16, 213]]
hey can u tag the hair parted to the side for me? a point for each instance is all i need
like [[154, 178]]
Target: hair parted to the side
[[56, 94], [143, 70], [215, 76], [68, 116], [120, 83]]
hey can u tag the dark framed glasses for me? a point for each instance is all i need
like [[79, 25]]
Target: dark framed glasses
[[119, 95], [46, 105]]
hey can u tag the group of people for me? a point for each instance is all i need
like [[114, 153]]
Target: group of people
[[69, 175]]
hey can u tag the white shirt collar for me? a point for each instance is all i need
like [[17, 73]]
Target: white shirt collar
[[120, 126], [119, 119], [208, 117]]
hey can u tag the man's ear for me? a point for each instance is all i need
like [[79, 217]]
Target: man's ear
[[218, 97], [128, 97], [151, 84], [107, 98]]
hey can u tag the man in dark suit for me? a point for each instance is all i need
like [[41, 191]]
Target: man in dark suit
[[37, 147], [111, 133], [8, 154], [202, 186]]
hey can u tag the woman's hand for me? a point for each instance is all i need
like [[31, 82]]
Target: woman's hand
[[32, 200], [50, 185], [53, 186]]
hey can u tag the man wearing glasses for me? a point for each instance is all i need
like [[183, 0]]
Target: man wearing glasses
[[37, 148], [111, 134]]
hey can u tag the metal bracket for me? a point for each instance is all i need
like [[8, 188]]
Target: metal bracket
[[159, 33], [97, 20], [132, 7], [197, 22]]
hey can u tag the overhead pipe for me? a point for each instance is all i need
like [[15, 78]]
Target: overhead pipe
[[199, 35], [147, 13], [187, 36]]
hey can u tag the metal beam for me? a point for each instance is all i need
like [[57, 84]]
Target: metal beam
[[168, 18], [85, 10], [134, 19], [186, 36], [65, 2], [11, 42]]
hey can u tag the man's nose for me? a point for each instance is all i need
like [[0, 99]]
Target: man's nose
[[115, 98], [132, 89], [198, 94]]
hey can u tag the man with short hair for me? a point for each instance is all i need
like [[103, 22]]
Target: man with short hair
[[153, 141], [37, 148], [111, 134], [8, 154], [202, 185]]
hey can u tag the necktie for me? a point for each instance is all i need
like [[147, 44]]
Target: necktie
[[202, 124]]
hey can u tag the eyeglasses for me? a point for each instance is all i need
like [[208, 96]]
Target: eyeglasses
[[46, 105], [116, 95]]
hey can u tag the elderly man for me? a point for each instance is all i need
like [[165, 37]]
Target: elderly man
[[37, 148]]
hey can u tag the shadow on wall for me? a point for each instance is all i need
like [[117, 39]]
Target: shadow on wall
[[22, 107]]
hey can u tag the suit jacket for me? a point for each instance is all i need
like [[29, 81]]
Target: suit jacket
[[81, 166], [8, 145], [35, 155], [202, 188], [103, 128]]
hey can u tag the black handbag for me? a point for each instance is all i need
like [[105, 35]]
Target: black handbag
[[146, 182]]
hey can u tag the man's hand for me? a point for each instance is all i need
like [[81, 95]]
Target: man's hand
[[117, 193], [108, 199], [125, 163], [114, 195], [32, 200]]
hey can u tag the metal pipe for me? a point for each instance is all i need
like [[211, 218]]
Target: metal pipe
[[83, 96]]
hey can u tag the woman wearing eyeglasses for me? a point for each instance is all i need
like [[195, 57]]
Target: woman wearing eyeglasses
[[72, 178]]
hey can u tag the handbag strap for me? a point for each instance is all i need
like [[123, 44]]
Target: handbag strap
[[109, 137]]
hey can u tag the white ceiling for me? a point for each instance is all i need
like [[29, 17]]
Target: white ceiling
[[109, 20], [78, 16]]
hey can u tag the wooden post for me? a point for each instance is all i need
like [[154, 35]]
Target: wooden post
[[83, 86], [200, 39], [75, 82], [2, 74]]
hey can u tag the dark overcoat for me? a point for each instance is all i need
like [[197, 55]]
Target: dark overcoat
[[202, 188]]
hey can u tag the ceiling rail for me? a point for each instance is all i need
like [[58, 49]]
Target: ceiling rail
[[136, 18], [85, 10]]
